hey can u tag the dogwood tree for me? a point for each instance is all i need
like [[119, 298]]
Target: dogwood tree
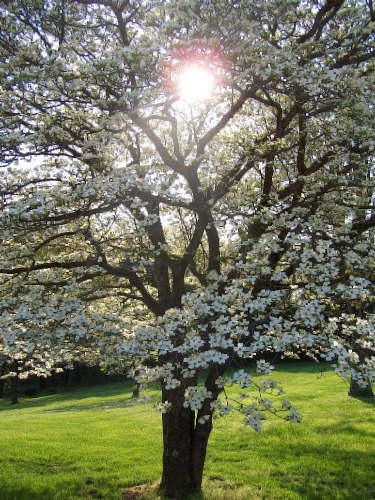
[[186, 185]]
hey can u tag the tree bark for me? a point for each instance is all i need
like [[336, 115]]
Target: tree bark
[[357, 391], [14, 390], [201, 435], [185, 444], [43, 383], [136, 390]]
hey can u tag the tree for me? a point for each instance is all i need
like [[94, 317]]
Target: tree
[[46, 339], [191, 234]]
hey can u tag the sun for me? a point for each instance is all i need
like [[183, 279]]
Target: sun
[[195, 83]]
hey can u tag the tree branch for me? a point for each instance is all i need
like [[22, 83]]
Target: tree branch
[[235, 108], [320, 20]]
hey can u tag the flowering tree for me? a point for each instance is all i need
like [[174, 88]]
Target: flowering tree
[[181, 230]]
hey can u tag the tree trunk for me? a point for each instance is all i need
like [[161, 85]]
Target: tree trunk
[[201, 435], [43, 383], [185, 444], [136, 390], [69, 378], [14, 390], [357, 391], [78, 372]]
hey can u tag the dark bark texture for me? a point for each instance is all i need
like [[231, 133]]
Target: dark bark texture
[[358, 391], [185, 445], [14, 383]]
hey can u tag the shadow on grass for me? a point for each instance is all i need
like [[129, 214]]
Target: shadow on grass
[[302, 366], [74, 399], [344, 478], [76, 396], [322, 471], [343, 427], [370, 400]]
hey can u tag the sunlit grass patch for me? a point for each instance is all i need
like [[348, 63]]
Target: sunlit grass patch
[[331, 454], [90, 443], [99, 442]]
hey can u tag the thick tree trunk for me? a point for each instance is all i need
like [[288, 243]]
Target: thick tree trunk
[[357, 391], [178, 432], [201, 435], [185, 445]]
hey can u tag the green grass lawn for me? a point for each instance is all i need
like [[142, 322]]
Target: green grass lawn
[[96, 442]]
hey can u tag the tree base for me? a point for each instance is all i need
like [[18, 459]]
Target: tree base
[[357, 391], [181, 495]]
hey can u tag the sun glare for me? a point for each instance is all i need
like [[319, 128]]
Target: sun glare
[[195, 84]]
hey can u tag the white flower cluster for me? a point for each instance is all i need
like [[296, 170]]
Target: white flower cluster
[[253, 417], [195, 397], [220, 408], [240, 377], [164, 407], [264, 367], [132, 197]]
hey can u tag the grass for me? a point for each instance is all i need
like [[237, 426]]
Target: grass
[[98, 442]]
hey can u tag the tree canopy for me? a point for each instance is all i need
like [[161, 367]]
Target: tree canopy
[[180, 235]]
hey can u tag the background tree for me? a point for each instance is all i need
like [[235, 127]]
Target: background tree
[[190, 233]]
